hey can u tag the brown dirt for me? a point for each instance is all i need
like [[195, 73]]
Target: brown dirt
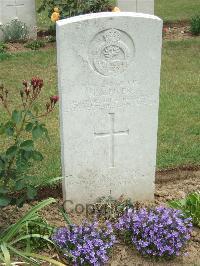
[[177, 33], [170, 184], [19, 47]]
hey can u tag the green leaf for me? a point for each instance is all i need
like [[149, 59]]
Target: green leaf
[[27, 145], [2, 163], [3, 190], [4, 201], [37, 132], [46, 134], [31, 193], [16, 116], [11, 151], [9, 128], [176, 204], [14, 229], [28, 236], [2, 259], [192, 199], [36, 109], [21, 254], [20, 201], [26, 155], [6, 254], [37, 156], [20, 184], [65, 216], [2, 129], [44, 258], [29, 127]]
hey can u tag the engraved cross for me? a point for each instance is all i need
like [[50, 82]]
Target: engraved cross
[[112, 133]]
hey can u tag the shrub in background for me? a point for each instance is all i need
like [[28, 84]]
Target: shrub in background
[[15, 31], [60, 9], [189, 206], [71, 8], [20, 132], [87, 244], [195, 25], [159, 232]]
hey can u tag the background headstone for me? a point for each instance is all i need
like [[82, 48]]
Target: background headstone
[[24, 10], [142, 6], [109, 76]]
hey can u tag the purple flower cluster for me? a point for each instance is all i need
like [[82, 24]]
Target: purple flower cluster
[[87, 244], [159, 232]]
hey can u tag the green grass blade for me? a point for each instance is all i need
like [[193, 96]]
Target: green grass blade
[[2, 259], [15, 228], [44, 258], [65, 216], [46, 238], [6, 254], [42, 225], [26, 258]]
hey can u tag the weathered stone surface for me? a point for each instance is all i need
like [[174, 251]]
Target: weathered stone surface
[[24, 10], [143, 6], [109, 77]]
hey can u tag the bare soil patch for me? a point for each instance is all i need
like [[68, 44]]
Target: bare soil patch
[[19, 47], [177, 32]]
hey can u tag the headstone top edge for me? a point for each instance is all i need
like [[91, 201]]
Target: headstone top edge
[[104, 15]]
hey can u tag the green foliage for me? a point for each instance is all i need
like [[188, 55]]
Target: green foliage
[[22, 129], [15, 31], [4, 56], [3, 51], [3, 47], [25, 233], [195, 25], [51, 39], [35, 45], [73, 8], [190, 206]]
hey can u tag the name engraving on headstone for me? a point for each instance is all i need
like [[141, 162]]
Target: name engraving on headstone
[[111, 52], [109, 96], [104, 96]]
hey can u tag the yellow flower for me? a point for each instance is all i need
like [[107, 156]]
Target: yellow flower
[[56, 9], [55, 16], [116, 9]]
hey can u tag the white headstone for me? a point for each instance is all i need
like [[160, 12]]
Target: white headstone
[[109, 77], [24, 10], [143, 6]]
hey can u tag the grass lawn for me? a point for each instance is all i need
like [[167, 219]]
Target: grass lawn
[[168, 10], [176, 10], [179, 118]]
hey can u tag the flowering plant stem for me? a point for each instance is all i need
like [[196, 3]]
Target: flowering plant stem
[[21, 131]]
